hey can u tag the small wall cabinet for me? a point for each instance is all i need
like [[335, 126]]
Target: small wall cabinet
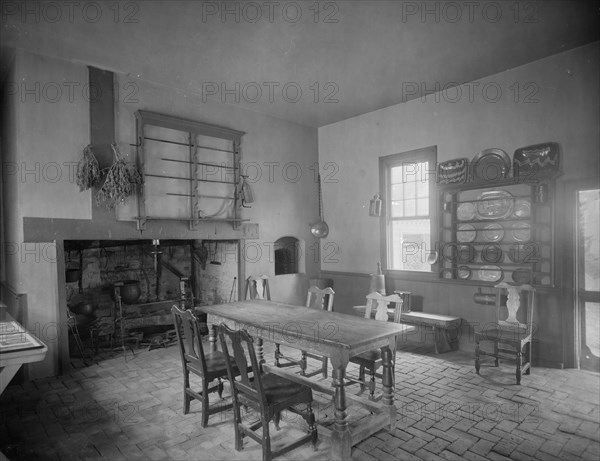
[[497, 231]]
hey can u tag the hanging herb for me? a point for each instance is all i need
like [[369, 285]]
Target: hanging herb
[[119, 183], [88, 172]]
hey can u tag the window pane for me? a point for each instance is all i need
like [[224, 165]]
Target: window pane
[[422, 206], [410, 245], [410, 190], [412, 171], [396, 174], [422, 188], [410, 208], [397, 209], [396, 191], [424, 171]]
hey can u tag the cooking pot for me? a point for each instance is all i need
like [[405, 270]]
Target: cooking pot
[[83, 320], [72, 275], [82, 309], [129, 290]]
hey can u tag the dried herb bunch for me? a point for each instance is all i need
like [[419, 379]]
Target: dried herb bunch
[[88, 171], [120, 182]]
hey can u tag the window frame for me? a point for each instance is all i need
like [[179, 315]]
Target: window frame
[[386, 163]]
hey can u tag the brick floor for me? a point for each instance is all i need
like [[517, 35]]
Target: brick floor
[[131, 409]]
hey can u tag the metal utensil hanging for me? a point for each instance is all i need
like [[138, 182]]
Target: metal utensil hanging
[[320, 229]]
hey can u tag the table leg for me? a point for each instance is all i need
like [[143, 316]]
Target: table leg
[[212, 336], [436, 339], [388, 383], [341, 438], [6, 374], [260, 352]]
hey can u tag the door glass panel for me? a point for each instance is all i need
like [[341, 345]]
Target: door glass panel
[[588, 277], [589, 206], [592, 328]]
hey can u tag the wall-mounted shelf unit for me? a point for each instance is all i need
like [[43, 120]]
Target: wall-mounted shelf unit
[[493, 231], [191, 171]]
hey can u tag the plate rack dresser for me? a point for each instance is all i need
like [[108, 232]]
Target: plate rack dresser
[[497, 230]]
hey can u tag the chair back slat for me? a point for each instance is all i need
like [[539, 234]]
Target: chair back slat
[[320, 298], [187, 328], [519, 307], [257, 287], [380, 303], [242, 345]]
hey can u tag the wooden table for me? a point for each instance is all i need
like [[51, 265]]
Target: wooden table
[[337, 336], [17, 347]]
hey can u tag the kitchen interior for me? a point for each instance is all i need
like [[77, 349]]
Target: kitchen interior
[[222, 185]]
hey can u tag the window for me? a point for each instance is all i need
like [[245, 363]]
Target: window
[[408, 180]]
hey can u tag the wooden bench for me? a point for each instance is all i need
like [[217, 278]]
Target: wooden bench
[[446, 329]]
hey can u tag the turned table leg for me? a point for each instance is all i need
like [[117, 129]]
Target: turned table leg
[[341, 438], [212, 336], [388, 383], [260, 352]]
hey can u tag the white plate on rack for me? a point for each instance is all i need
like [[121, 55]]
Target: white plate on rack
[[464, 272], [521, 231], [465, 211], [521, 276], [490, 273], [465, 233], [493, 232], [522, 208]]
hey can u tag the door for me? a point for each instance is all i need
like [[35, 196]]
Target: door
[[587, 277]]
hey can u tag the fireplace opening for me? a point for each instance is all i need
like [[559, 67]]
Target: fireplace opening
[[152, 276]]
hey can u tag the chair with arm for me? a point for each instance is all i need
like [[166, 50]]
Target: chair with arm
[[263, 392], [372, 360], [511, 337], [208, 366]]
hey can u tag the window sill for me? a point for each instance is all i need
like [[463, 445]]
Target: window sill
[[412, 275]]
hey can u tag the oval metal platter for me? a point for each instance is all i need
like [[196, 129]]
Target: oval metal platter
[[494, 204]]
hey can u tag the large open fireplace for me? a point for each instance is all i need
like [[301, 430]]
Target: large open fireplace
[[151, 277]]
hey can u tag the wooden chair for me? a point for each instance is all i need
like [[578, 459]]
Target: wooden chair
[[265, 393], [209, 366], [317, 298], [511, 337], [372, 360], [253, 285]]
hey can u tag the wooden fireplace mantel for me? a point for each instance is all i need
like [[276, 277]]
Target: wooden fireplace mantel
[[50, 229]]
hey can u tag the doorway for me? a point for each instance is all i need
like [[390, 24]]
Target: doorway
[[587, 277]]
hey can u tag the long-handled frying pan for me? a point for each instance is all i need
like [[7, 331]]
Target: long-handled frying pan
[[320, 229]]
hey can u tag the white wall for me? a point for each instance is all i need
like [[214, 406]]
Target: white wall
[[554, 99], [47, 131], [564, 109]]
